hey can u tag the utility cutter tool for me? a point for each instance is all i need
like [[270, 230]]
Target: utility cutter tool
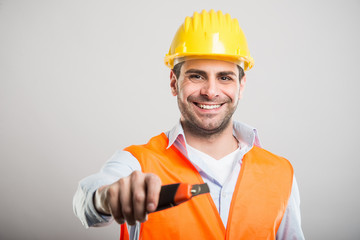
[[173, 194]]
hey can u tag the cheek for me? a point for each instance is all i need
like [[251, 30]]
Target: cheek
[[185, 90], [183, 95], [232, 92]]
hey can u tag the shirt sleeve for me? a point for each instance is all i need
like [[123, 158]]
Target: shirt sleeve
[[290, 227], [121, 164]]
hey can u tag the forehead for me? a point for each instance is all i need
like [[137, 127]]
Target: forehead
[[210, 66]]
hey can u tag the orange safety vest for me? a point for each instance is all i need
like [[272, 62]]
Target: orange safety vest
[[257, 207]]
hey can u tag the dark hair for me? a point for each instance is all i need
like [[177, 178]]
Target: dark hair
[[177, 69]]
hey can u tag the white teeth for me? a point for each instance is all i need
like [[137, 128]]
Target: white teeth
[[209, 106]]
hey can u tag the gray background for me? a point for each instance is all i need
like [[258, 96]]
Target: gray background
[[81, 79]]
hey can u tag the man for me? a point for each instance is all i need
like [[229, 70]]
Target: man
[[253, 193]]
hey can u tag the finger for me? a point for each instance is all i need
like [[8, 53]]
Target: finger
[[114, 205], [125, 200], [153, 185], [138, 196]]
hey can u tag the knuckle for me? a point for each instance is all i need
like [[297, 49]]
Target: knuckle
[[122, 182], [135, 175], [127, 211], [155, 183], [139, 197], [153, 178], [157, 179], [111, 191]]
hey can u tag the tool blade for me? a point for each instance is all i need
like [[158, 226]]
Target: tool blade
[[197, 189]]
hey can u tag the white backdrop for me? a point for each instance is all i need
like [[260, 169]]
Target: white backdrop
[[81, 79]]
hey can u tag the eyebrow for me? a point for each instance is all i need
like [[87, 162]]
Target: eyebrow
[[197, 71], [200, 72], [225, 73]]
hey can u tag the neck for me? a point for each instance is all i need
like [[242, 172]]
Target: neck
[[217, 145]]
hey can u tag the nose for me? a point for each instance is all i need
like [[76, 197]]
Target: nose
[[210, 89]]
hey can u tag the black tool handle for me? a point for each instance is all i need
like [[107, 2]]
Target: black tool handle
[[167, 196]]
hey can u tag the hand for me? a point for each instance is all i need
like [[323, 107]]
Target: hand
[[129, 199]]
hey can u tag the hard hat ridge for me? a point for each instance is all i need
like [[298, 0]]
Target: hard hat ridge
[[210, 22], [211, 35]]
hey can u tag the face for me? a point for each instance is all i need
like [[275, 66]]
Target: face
[[208, 92]]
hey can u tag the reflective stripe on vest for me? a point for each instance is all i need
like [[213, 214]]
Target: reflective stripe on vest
[[257, 207]]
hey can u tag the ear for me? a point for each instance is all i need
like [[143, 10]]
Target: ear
[[173, 83], [242, 86]]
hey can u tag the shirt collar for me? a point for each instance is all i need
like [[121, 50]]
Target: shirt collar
[[246, 134], [243, 133], [175, 133]]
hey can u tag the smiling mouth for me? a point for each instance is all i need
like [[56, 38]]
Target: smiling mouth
[[206, 106]]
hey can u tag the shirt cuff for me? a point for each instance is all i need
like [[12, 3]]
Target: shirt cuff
[[95, 219], [84, 207]]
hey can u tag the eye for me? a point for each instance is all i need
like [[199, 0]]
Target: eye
[[195, 76], [226, 78]]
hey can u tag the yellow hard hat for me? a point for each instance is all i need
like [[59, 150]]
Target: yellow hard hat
[[210, 35]]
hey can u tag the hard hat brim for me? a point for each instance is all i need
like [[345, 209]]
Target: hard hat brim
[[245, 62]]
